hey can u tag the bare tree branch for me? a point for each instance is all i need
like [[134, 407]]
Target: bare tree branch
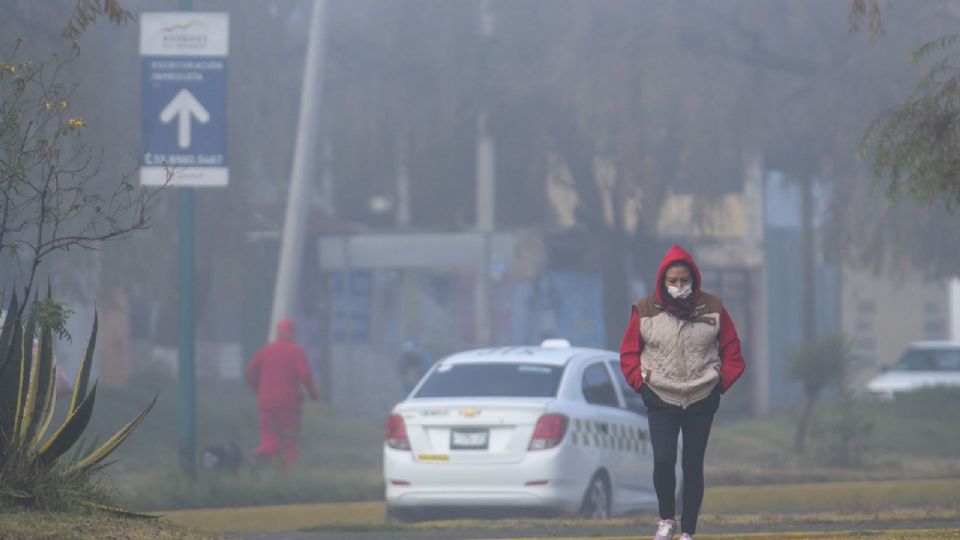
[[55, 197]]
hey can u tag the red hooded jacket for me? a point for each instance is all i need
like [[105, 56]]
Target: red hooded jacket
[[277, 371], [631, 350]]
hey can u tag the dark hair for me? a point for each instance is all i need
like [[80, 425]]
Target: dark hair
[[680, 263]]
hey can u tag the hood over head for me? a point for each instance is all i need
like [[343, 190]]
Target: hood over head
[[675, 254], [285, 329]]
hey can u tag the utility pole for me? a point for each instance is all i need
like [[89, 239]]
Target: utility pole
[[403, 185], [291, 241], [486, 198]]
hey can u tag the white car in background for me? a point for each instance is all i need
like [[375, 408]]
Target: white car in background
[[550, 428], [922, 364]]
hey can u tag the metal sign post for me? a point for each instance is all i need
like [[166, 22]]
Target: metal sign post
[[184, 67]]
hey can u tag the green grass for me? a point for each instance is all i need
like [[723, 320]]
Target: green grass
[[340, 458], [918, 423], [226, 411], [51, 489], [170, 491], [912, 437]]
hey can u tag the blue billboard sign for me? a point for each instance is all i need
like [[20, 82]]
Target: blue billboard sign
[[184, 88]]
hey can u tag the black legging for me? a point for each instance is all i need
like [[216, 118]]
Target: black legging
[[666, 423]]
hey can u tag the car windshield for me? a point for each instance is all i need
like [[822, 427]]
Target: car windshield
[[929, 360], [491, 379]]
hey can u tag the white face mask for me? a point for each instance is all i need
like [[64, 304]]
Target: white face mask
[[680, 292]]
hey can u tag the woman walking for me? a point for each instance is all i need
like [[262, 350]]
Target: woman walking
[[680, 352]]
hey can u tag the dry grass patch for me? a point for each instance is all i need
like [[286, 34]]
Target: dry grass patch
[[286, 517], [36, 525]]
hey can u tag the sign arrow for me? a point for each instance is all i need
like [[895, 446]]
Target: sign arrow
[[183, 106]]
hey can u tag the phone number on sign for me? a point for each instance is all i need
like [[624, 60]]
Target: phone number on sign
[[186, 160]]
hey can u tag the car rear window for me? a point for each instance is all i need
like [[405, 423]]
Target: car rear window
[[491, 379]]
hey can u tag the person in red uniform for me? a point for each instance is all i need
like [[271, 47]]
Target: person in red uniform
[[276, 374]]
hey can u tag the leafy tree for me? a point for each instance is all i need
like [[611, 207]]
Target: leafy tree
[[593, 108], [677, 101], [914, 145], [404, 95], [627, 102], [910, 148]]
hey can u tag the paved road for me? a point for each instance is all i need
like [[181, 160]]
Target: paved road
[[601, 531]]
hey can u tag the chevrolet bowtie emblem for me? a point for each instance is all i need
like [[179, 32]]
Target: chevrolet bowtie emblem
[[470, 412]]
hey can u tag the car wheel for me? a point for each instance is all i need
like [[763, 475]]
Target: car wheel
[[596, 501]]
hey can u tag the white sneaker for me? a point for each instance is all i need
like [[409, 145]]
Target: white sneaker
[[665, 529], [686, 536]]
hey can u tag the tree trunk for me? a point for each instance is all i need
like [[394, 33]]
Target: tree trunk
[[616, 292], [807, 259], [800, 439]]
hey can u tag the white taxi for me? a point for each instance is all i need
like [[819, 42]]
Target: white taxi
[[551, 428]]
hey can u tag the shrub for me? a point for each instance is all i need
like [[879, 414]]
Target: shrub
[[817, 365], [846, 436], [31, 469]]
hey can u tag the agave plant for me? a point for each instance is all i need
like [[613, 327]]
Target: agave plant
[[27, 402]]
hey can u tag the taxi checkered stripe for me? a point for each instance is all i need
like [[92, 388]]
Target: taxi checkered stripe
[[618, 437]]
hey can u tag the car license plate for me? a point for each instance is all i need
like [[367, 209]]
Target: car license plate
[[469, 439]]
